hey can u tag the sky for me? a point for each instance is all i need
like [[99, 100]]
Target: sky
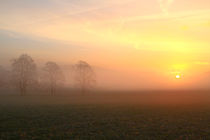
[[134, 44]]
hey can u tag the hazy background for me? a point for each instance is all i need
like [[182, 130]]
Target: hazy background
[[131, 44]]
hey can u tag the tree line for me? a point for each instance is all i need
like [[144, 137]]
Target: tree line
[[24, 75]]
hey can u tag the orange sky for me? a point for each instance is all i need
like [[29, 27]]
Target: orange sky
[[147, 42]]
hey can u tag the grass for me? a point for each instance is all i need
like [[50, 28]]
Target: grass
[[33, 117]]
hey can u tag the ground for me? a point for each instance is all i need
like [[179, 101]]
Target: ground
[[105, 117]]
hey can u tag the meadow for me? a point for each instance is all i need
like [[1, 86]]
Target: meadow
[[138, 115]]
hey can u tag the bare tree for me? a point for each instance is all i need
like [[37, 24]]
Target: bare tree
[[85, 78], [53, 75], [23, 72], [4, 77]]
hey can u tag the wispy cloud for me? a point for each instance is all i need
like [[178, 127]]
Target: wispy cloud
[[119, 22], [165, 5], [204, 63]]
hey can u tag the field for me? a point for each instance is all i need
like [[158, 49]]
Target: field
[[146, 116]]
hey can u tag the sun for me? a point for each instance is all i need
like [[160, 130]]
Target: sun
[[178, 76]]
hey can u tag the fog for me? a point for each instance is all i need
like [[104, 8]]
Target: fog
[[111, 79], [104, 69], [115, 69]]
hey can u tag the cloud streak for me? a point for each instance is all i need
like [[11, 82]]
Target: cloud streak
[[165, 5]]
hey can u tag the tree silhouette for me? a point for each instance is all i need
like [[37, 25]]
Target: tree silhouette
[[23, 73], [53, 75], [85, 77], [4, 77]]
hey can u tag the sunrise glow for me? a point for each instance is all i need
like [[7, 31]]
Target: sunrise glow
[[153, 40]]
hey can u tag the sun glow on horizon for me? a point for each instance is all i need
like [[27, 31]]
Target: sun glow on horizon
[[178, 76]]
